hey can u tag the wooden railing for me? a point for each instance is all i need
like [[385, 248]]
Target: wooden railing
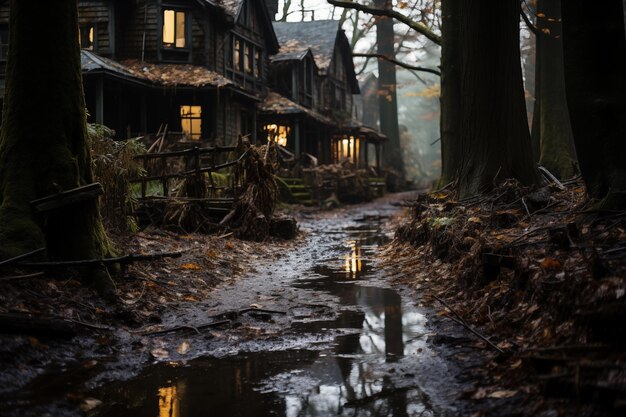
[[165, 166]]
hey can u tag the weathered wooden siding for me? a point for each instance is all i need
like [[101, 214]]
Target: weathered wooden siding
[[98, 14]]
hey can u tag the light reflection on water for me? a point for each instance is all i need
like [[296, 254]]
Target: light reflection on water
[[365, 373]]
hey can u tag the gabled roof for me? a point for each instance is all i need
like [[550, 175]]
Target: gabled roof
[[276, 104], [232, 8], [319, 35], [322, 37]]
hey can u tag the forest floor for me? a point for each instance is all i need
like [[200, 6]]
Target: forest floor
[[312, 325], [540, 275]]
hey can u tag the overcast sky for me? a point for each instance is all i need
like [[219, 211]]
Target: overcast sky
[[321, 8]]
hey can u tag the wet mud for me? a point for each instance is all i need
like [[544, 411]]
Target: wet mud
[[319, 333]]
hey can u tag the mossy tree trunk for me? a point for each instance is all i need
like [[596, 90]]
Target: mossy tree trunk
[[450, 92], [494, 137], [595, 76], [43, 146], [556, 143]]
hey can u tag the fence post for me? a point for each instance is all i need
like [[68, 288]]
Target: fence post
[[164, 178], [143, 178]]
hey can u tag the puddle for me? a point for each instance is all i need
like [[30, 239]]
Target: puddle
[[378, 363]]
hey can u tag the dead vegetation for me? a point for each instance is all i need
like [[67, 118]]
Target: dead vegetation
[[539, 272]]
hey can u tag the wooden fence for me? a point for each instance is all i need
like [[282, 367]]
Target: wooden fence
[[163, 167]]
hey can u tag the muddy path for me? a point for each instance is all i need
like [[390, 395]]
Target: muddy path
[[314, 332]]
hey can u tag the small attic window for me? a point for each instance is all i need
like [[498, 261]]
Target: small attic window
[[86, 37], [174, 29]]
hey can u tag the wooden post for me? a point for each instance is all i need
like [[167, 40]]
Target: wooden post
[[143, 181], [164, 180]]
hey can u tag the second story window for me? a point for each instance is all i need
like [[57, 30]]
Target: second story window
[[174, 29], [86, 37], [4, 42]]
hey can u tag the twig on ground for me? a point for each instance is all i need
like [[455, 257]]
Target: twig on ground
[[463, 323]]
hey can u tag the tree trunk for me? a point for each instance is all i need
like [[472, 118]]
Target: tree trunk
[[450, 91], [387, 85], [557, 151], [43, 147], [595, 76], [494, 136]]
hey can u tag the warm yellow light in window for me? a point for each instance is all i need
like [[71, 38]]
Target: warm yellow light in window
[[180, 29], [191, 121], [174, 28], [237, 55], [277, 133], [169, 24]]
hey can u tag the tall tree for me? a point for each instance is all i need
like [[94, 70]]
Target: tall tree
[[387, 85], [43, 145], [450, 91], [494, 136], [595, 76], [556, 140]]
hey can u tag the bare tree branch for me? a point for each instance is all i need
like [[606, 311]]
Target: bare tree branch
[[418, 27], [398, 63]]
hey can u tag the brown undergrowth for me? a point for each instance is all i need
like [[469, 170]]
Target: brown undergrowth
[[540, 274]]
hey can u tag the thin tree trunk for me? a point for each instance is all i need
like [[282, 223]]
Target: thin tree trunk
[[388, 101], [43, 146], [557, 150], [535, 130], [450, 91], [595, 76], [494, 127]]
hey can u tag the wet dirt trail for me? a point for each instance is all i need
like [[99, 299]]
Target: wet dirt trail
[[328, 337]]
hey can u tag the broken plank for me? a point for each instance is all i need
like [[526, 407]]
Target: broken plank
[[22, 256], [118, 260], [21, 277], [66, 198]]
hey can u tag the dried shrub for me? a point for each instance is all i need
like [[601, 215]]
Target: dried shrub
[[113, 166]]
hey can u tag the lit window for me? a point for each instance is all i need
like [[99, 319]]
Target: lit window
[[257, 64], [191, 121], [174, 29], [85, 37], [348, 148], [238, 55], [248, 60], [277, 133]]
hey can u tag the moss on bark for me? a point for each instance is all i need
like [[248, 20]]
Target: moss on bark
[[43, 146]]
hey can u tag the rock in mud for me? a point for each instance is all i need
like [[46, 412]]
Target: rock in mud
[[284, 227]]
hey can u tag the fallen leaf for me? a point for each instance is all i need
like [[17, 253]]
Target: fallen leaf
[[502, 394], [160, 353], [183, 348], [191, 266], [255, 305], [89, 404], [550, 263]]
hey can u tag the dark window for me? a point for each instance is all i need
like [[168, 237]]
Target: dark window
[[174, 29], [87, 37], [4, 42]]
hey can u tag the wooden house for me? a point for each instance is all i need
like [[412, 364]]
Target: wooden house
[[195, 67], [314, 68]]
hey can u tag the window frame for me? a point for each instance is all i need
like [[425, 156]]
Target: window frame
[[94, 42], [195, 137], [187, 41], [242, 52]]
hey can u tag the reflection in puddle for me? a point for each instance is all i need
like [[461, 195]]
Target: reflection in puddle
[[367, 371], [169, 405], [354, 262]]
